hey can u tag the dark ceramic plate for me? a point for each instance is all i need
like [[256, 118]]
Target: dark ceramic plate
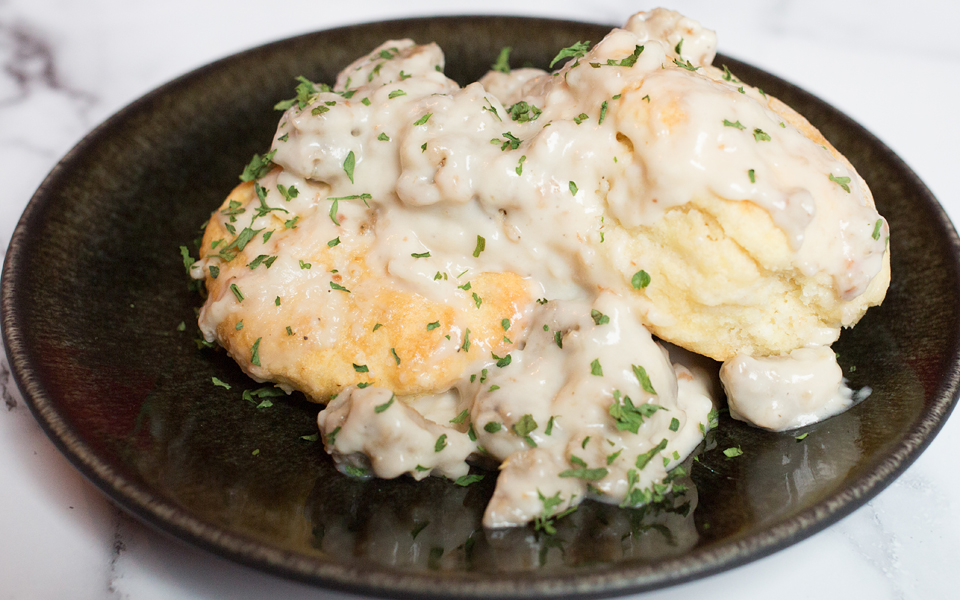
[[94, 289]]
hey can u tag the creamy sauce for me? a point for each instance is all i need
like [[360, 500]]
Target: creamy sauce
[[786, 392], [573, 404]]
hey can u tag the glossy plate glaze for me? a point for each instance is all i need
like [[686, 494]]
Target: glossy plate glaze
[[94, 290]]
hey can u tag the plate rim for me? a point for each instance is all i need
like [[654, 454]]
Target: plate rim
[[171, 520]]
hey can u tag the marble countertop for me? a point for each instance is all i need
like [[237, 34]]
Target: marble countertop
[[66, 66]]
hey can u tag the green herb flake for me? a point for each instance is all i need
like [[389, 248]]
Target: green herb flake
[[310, 438], [217, 382], [876, 229], [236, 292], [214, 271], [305, 265], [733, 452], [382, 407], [581, 118], [365, 101], [361, 368], [258, 166], [640, 280], [289, 331], [752, 175], [641, 375], [396, 94], [524, 112], [549, 429], [760, 136], [577, 50], [423, 147], [383, 137], [558, 339], [466, 341], [646, 457], [239, 325], [503, 61], [292, 223], [736, 124], [598, 317], [277, 301], [524, 427], [377, 326], [348, 165], [288, 193], [477, 299], [843, 182], [338, 287], [603, 112], [393, 351], [332, 436], [802, 436], [481, 246], [613, 457], [423, 120], [466, 480], [187, 259], [573, 188], [584, 473], [685, 65], [432, 326], [520, 164], [502, 362], [354, 471], [334, 242], [441, 443], [627, 416], [595, 368], [182, 326], [584, 443], [255, 352], [674, 424], [505, 324], [461, 417]]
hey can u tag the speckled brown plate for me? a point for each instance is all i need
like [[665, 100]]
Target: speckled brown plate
[[94, 290]]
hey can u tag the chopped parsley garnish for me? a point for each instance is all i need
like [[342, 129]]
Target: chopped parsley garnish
[[733, 452], [283, 137], [348, 165], [736, 124], [492, 109], [760, 136], [421, 255], [524, 427], [598, 317], [523, 112], [217, 382], [396, 94], [423, 147], [640, 280], [382, 407], [802, 436], [628, 417], [520, 164], [365, 101], [503, 61], [377, 326], [685, 65], [255, 352], [305, 265], [728, 76], [338, 287], [423, 120], [355, 471], [646, 457], [332, 436], [319, 110], [236, 292], [334, 207], [466, 480], [258, 166], [581, 118], [678, 46], [512, 141], [383, 137], [277, 301], [573, 188], [505, 324], [334, 242], [292, 223], [466, 341], [432, 326], [641, 375], [752, 175], [441, 443], [549, 429], [558, 339], [876, 229], [577, 50], [361, 368], [310, 438], [613, 457], [481, 246], [393, 351], [288, 192], [584, 443], [289, 331], [595, 368], [674, 424], [584, 473], [502, 361], [843, 182], [545, 521], [461, 417], [603, 112], [187, 259], [492, 427]]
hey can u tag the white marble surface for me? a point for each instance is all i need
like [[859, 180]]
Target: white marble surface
[[65, 66]]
